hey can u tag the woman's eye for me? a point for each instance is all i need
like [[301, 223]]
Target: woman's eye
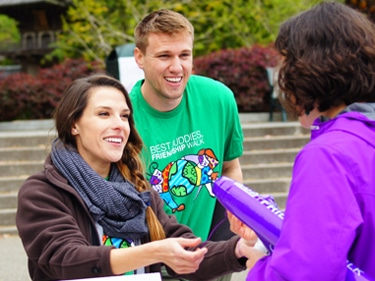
[[125, 116], [103, 113]]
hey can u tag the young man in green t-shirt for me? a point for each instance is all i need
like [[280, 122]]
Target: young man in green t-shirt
[[189, 124]]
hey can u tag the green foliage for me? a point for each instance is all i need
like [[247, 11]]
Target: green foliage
[[9, 34], [227, 24], [23, 96], [8, 30], [92, 28], [243, 70]]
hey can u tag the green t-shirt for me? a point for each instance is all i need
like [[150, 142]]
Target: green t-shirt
[[185, 148]]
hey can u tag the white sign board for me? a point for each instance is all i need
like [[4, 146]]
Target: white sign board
[[129, 72], [138, 277]]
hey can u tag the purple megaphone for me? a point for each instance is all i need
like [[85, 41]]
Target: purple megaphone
[[262, 215]]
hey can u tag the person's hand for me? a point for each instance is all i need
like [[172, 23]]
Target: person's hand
[[245, 246], [239, 228], [176, 253], [248, 249], [178, 258]]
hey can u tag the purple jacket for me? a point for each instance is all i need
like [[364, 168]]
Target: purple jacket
[[330, 211]]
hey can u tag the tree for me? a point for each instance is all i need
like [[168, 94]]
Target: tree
[[9, 34], [92, 28], [87, 31], [228, 24]]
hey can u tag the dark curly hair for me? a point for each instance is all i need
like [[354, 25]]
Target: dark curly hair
[[328, 58]]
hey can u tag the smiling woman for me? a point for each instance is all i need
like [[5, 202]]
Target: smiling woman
[[92, 213], [103, 129]]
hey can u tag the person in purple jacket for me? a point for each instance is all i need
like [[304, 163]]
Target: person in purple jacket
[[327, 76]]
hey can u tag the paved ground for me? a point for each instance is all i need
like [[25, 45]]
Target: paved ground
[[12, 260], [14, 263]]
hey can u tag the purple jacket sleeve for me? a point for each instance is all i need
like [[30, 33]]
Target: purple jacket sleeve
[[320, 222]]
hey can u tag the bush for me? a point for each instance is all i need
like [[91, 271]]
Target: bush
[[244, 72], [23, 96]]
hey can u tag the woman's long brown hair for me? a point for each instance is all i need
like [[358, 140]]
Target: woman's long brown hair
[[70, 109]]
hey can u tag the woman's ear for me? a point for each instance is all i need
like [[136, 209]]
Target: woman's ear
[[74, 131], [307, 118]]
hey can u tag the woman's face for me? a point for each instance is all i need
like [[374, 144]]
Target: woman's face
[[103, 129]]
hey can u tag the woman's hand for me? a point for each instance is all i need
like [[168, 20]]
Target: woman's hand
[[173, 252], [178, 258]]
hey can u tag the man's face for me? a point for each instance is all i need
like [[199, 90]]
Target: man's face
[[167, 65]]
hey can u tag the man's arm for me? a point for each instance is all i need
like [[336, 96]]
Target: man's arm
[[232, 169]]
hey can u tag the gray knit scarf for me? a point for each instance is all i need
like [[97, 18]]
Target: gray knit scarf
[[115, 204]]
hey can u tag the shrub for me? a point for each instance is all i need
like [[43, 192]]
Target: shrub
[[23, 96], [244, 72], [13, 90]]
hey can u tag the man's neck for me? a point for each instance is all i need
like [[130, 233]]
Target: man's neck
[[158, 102]]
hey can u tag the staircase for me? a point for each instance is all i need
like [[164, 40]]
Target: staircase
[[23, 147], [269, 151]]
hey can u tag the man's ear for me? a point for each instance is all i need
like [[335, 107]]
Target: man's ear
[[138, 56]]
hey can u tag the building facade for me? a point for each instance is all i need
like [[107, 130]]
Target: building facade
[[39, 22]]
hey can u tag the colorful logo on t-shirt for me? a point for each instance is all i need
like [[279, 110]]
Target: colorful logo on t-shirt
[[116, 242], [179, 178]]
